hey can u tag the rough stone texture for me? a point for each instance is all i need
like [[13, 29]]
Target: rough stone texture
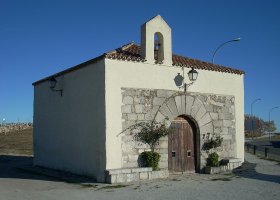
[[127, 175], [214, 114]]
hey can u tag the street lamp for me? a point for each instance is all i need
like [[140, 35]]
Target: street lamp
[[252, 113], [53, 82], [234, 40], [269, 120], [180, 80]]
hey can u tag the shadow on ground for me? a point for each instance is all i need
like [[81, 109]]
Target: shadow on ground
[[248, 170], [21, 167]]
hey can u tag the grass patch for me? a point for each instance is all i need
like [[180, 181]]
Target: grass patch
[[227, 178], [174, 179], [221, 179], [88, 185], [112, 187]]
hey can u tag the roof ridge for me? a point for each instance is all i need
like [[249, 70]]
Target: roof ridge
[[131, 52]]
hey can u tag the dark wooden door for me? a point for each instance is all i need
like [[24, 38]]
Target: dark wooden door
[[181, 148]]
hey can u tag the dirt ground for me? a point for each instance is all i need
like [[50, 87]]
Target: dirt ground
[[17, 143]]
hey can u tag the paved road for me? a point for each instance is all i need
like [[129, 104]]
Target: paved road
[[257, 179]]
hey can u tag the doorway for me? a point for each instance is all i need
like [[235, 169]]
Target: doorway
[[182, 151]]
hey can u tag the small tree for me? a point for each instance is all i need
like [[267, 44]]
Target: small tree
[[210, 146], [150, 133]]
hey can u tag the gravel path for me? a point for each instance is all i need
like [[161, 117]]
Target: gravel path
[[256, 179]]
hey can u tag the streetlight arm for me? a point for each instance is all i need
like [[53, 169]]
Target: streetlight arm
[[220, 46]]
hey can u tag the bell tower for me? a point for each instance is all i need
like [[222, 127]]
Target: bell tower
[[156, 41]]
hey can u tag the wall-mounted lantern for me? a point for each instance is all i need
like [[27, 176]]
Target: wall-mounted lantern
[[53, 83], [192, 74], [179, 79]]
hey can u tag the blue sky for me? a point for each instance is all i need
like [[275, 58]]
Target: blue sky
[[41, 37]]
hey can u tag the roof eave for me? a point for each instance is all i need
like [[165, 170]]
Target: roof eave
[[76, 67]]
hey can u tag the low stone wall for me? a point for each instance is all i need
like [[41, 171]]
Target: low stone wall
[[232, 164], [127, 175]]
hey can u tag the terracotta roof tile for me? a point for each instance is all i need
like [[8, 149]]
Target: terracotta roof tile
[[131, 52]]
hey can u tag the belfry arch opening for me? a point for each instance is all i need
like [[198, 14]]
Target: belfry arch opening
[[183, 145], [158, 48]]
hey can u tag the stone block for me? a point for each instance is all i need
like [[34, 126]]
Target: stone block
[[163, 144], [224, 130], [144, 176], [218, 130], [227, 123], [214, 116], [149, 116], [163, 164], [139, 100], [160, 174], [132, 116], [150, 175], [140, 116], [126, 109], [158, 101], [163, 157], [196, 106], [227, 137], [227, 116], [128, 92], [172, 107], [139, 108], [142, 169], [164, 93], [178, 101], [208, 128], [128, 100], [189, 103], [159, 117], [132, 177], [204, 120], [201, 112], [166, 112], [133, 158], [218, 123], [183, 105], [130, 165], [163, 151], [231, 131], [209, 107]]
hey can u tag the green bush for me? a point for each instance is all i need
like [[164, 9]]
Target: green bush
[[150, 159], [213, 160]]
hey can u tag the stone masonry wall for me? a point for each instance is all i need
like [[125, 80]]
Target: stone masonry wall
[[213, 114]]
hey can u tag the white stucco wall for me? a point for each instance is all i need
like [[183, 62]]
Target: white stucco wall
[[69, 129], [120, 74]]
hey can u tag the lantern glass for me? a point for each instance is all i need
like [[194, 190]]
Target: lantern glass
[[192, 74], [52, 82]]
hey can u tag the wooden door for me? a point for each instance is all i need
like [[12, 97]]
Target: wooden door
[[181, 148]]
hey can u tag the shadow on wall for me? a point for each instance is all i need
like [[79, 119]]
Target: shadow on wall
[[21, 167], [248, 170]]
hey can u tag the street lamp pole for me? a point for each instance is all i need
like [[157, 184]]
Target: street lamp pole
[[252, 114], [269, 132], [221, 45]]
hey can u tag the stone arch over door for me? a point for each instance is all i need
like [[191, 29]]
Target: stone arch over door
[[193, 108]]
